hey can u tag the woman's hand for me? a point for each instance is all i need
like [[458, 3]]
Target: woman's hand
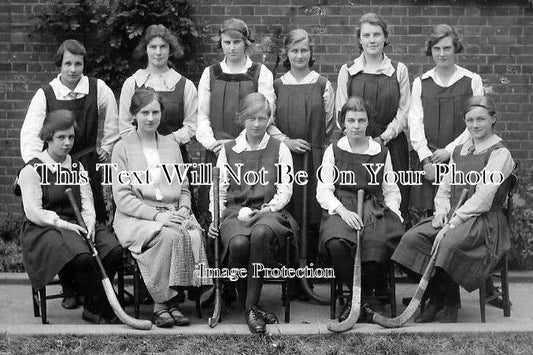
[[213, 231], [102, 155], [429, 171], [184, 212], [168, 218], [351, 218], [297, 145], [440, 156], [91, 231], [59, 223], [439, 220]]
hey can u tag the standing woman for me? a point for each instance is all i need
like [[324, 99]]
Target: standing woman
[[254, 223], [436, 114], [304, 112], [178, 93], [50, 238], [473, 240], [384, 84], [381, 217], [153, 217]]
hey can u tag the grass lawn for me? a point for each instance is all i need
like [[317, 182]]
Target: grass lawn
[[456, 344]]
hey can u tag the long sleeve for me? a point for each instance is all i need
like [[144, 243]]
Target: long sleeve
[[87, 203], [124, 115], [283, 188], [416, 122], [204, 132], [461, 139], [399, 123], [32, 197], [325, 189], [127, 202], [190, 111], [107, 109], [223, 185], [30, 143], [391, 191], [329, 108], [342, 89]]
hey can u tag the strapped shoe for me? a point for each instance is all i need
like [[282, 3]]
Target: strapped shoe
[[179, 318], [345, 312], [255, 323], [429, 313], [163, 319], [96, 318], [268, 317], [70, 302]]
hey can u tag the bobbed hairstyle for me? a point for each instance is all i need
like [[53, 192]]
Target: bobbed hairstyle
[[294, 37], [235, 28], [154, 31], [375, 20], [250, 105], [57, 120], [72, 46], [438, 32], [356, 104], [141, 98], [481, 101]]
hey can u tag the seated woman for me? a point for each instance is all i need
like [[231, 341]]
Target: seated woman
[[253, 217], [50, 237], [153, 218], [381, 217], [475, 238]]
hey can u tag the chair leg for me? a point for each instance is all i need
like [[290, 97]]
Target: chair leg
[[392, 289], [333, 298], [35, 301], [136, 292], [42, 296], [482, 301], [286, 282], [505, 288], [198, 293]]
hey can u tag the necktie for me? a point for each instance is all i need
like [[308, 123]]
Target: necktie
[[72, 95], [471, 150]]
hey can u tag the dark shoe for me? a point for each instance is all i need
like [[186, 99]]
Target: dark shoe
[[96, 318], [70, 302], [345, 312], [449, 314], [429, 313], [268, 317], [498, 302], [255, 323], [179, 318], [162, 319]]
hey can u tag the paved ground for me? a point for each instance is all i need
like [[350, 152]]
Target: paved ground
[[16, 314]]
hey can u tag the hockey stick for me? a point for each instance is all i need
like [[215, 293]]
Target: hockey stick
[[303, 247], [108, 288], [410, 311], [349, 322], [214, 319]]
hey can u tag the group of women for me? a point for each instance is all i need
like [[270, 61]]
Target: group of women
[[247, 121]]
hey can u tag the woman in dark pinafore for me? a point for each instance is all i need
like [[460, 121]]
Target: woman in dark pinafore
[[254, 223], [50, 237], [381, 219], [476, 237], [436, 124], [304, 112], [384, 84], [178, 93]]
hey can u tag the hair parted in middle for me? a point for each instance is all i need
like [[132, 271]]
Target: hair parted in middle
[[162, 32], [438, 32], [296, 36], [375, 20], [250, 105], [235, 28], [57, 120], [356, 104]]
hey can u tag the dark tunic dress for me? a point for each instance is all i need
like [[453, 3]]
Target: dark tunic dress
[[382, 227], [253, 196], [85, 110], [382, 92], [300, 114], [471, 250], [47, 249], [443, 109]]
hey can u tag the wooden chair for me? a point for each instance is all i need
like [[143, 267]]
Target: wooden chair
[[39, 298]]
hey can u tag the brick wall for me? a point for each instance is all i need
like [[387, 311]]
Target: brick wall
[[497, 40]]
